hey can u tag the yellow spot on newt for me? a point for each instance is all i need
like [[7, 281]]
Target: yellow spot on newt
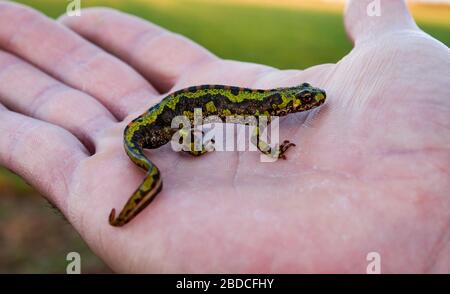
[[210, 107], [226, 112]]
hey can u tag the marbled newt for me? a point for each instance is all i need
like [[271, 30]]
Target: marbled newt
[[153, 128]]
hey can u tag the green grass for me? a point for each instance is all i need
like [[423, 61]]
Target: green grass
[[9, 181], [280, 37], [274, 36]]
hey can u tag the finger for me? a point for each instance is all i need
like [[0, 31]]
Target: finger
[[27, 90], [71, 59], [317, 75], [45, 155], [368, 19], [161, 56]]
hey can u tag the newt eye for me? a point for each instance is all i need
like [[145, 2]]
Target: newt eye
[[307, 98]]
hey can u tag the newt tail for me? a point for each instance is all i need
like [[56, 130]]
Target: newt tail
[[145, 193]]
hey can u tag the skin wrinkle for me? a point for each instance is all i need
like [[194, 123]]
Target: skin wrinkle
[[175, 164], [81, 66], [76, 213], [96, 19], [57, 173], [57, 62], [22, 170], [311, 116], [444, 169], [382, 155], [443, 106], [115, 99], [102, 244], [86, 84], [9, 64], [124, 102], [68, 56], [19, 132], [63, 203], [75, 218], [357, 104], [445, 126], [48, 95], [59, 59], [312, 170], [44, 96], [430, 118], [144, 38], [23, 128], [91, 130], [415, 151]]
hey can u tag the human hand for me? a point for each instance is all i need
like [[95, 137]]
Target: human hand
[[370, 171]]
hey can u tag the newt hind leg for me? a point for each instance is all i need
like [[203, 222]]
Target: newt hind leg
[[189, 138], [283, 148]]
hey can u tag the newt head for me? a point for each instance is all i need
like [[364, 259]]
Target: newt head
[[306, 97]]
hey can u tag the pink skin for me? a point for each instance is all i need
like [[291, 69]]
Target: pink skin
[[370, 172]]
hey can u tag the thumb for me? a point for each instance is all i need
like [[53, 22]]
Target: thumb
[[369, 19]]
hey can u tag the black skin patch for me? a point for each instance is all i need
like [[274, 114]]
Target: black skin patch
[[235, 90], [275, 99]]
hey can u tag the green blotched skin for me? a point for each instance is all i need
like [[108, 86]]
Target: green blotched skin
[[153, 128]]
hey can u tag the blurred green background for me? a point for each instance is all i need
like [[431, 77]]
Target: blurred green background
[[34, 238]]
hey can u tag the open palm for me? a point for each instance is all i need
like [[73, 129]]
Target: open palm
[[370, 171]]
